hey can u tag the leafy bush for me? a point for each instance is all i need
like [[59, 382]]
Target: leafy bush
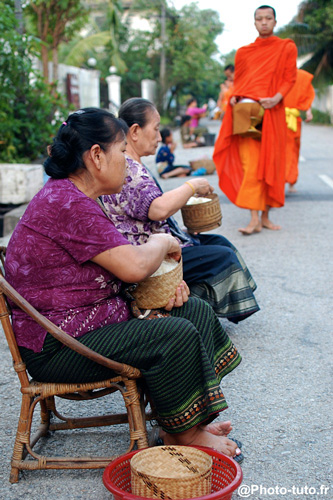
[[320, 117], [30, 109]]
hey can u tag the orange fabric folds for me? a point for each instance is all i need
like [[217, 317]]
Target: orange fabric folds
[[262, 69], [300, 97], [302, 93]]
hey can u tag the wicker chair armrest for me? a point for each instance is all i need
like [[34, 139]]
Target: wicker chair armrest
[[64, 338]]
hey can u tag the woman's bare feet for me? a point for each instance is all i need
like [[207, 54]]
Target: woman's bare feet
[[218, 428], [200, 437]]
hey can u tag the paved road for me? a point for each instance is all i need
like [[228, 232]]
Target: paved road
[[279, 397]]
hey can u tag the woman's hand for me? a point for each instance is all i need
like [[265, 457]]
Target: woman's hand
[[170, 202], [201, 186], [173, 250], [181, 296]]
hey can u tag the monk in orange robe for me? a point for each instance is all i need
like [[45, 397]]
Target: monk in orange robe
[[251, 171], [300, 98], [229, 72], [226, 91]]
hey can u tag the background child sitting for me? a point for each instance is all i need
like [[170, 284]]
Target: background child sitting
[[165, 158]]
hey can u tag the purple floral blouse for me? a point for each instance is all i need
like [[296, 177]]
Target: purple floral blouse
[[48, 262], [129, 209]]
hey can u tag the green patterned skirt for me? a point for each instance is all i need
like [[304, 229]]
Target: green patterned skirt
[[183, 359]]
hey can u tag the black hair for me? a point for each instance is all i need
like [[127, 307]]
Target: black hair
[[166, 132], [134, 110], [190, 100], [81, 130], [184, 119], [265, 7], [231, 67]]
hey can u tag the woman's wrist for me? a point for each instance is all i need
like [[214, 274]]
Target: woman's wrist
[[190, 184]]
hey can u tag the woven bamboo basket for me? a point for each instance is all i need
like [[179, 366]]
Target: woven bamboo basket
[[171, 472], [155, 291], [204, 216]]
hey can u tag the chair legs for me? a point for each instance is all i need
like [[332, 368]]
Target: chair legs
[[137, 423], [22, 437], [24, 442]]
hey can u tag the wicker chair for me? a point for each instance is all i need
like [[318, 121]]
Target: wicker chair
[[33, 392]]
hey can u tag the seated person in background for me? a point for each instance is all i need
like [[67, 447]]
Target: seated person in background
[[189, 140], [73, 265], [212, 266], [196, 113], [165, 158]]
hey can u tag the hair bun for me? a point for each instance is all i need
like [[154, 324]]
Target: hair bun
[[62, 161]]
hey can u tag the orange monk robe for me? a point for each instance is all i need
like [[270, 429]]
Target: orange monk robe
[[252, 173], [299, 98]]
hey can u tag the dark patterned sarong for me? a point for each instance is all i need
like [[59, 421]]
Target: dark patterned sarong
[[183, 359], [216, 272]]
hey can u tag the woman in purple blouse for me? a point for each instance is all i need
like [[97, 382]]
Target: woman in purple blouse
[[72, 264]]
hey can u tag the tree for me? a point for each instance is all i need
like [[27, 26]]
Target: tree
[[28, 107], [101, 42], [187, 44], [55, 21], [312, 31]]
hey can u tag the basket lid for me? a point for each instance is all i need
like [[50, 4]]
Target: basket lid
[[171, 462]]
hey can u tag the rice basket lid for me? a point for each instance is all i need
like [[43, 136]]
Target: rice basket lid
[[171, 472], [156, 290]]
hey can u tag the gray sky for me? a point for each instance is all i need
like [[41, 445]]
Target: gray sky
[[238, 18]]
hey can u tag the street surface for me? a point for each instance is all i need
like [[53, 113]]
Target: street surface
[[280, 396]]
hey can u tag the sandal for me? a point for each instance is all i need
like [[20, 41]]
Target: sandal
[[238, 458]]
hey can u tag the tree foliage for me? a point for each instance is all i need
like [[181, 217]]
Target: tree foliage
[[188, 45], [27, 105], [101, 42], [312, 31], [54, 21]]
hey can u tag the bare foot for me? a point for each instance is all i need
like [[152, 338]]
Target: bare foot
[[292, 189], [266, 223], [250, 229], [218, 428], [202, 438]]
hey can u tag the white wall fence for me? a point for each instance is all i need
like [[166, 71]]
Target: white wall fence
[[86, 80], [83, 85]]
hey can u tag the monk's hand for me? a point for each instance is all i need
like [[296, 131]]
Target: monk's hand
[[233, 100], [308, 115], [181, 296], [201, 186], [270, 102]]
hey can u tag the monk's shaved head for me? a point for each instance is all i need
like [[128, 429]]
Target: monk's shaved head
[[265, 7]]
